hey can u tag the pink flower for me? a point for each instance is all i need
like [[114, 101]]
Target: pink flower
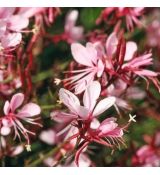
[[109, 128], [126, 63], [10, 27], [107, 133], [84, 118], [153, 33], [131, 14], [73, 33], [90, 97], [146, 156], [88, 57], [13, 117]]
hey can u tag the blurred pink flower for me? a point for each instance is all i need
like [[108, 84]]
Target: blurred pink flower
[[146, 156], [72, 33], [13, 117], [131, 14], [11, 26]]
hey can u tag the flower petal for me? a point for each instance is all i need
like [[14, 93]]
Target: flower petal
[[91, 95], [104, 105], [111, 44], [5, 130], [62, 117], [18, 22], [11, 40], [81, 54], [131, 48], [16, 101], [6, 108], [69, 99], [48, 136], [29, 110]]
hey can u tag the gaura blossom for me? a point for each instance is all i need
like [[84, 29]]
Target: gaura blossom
[[153, 33], [148, 155], [89, 58], [72, 33], [112, 14], [122, 62], [107, 133], [14, 116], [84, 118], [91, 108], [51, 137], [11, 25]]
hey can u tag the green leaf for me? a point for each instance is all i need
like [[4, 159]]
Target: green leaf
[[88, 17]]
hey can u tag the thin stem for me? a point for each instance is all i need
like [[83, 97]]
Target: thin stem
[[50, 153]]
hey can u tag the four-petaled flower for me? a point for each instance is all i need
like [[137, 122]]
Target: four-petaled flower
[[14, 117]]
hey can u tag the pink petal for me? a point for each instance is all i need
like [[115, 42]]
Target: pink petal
[[83, 112], [104, 105], [92, 52], [81, 54], [69, 99], [108, 125], [16, 101], [6, 108], [71, 19], [48, 136], [62, 117], [131, 48], [16, 150], [29, 110], [91, 95], [76, 33], [117, 132], [5, 130], [82, 83], [111, 44], [6, 12], [100, 68], [11, 40], [95, 123], [146, 73], [2, 27], [17, 22]]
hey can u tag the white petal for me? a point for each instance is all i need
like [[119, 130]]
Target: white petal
[[5, 130], [6, 108], [16, 101], [48, 137], [104, 105], [29, 110], [91, 95], [69, 99], [131, 48], [81, 54]]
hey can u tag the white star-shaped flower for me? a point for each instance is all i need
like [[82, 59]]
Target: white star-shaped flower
[[132, 118]]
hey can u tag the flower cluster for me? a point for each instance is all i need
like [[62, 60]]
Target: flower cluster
[[73, 85]]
